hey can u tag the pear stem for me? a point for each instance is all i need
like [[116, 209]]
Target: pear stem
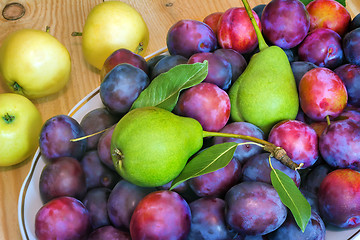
[[76, 34], [261, 40], [277, 152]]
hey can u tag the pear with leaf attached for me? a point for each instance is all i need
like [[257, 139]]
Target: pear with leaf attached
[[150, 146], [265, 93]]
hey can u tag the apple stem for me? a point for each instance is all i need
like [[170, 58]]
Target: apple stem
[[47, 29], [8, 118], [261, 40], [275, 151], [76, 34], [328, 119]]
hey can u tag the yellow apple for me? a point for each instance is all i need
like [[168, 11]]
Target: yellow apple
[[34, 63], [20, 126], [112, 25]]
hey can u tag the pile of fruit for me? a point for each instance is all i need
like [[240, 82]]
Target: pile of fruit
[[247, 128]]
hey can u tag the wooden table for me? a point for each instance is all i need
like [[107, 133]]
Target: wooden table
[[64, 17]]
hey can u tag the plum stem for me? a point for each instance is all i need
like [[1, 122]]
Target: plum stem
[[278, 152], [87, 136], [328, 119], [261, 40]]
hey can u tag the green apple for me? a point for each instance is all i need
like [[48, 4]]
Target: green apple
[[20, 126], [34, 63]]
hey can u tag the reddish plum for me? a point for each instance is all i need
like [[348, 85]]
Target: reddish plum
[[328, 14], [187, 37], [62, 177], [121, 87], [212, 20], [254, 208], [95, 202], [339, 199], [350, 75], [104, 146], [351, 43], [161, 215], [322, 47], [340, 144], [62, 218], [322, 93], [242, 152], [95, 121], [315, 229], [298, 139], [348, 113], [257, 168], [123, 55], [109, 232], [208, 220], [235, 30], [236, 60], [285, 23], [166, 63], [55, 137], [217, 183], [122, 201], [207, 103], [96, 173], [219, 72], [319, 127]]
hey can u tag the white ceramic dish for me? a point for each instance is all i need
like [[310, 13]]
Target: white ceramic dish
[[29, 201]]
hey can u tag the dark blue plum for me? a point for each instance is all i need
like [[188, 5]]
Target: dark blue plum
[[109, 232], [187, 37], [237, 61], [355, 22], [121, 87], [254, 208], [122, 201], [103, 148], [315, 229], [62, 177], [299, 68], [161, 214], [283, 27], [95, 121], [351, 46], [208, 220], [259, 9], [95, 202], [350, 75], [97, 174], [217, 183], [219, 72], [242, 152], [257, 168], [314, 177], [55, 138], [322, 47], [166, 63], [312, 199], [339, 144]]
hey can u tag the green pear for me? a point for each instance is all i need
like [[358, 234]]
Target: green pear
[[265, 93], [150, 146]]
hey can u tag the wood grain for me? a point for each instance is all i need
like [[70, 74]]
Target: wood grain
[[64, 17]]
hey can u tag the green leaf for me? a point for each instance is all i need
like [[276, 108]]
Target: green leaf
[[164, 90], [206, 161], [291, 196], [306, 2]]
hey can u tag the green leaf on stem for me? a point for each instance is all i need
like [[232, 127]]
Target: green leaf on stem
[[164, 90], [306, 2], [291, 196], [206, 161]]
